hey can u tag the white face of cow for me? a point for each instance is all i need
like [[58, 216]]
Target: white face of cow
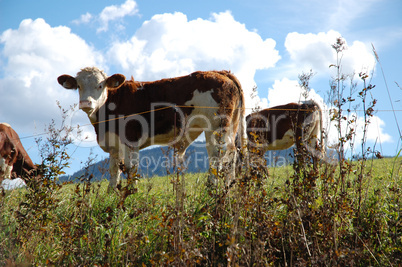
[[92, 85]]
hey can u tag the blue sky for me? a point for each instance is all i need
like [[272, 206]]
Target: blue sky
[[265, 43]]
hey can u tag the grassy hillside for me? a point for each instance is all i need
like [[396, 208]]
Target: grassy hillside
[[176, 220]]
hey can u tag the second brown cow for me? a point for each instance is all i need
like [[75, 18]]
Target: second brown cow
[[283, 126]]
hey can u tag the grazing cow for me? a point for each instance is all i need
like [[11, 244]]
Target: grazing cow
[[130, 115], [14, 160], [283, 126]]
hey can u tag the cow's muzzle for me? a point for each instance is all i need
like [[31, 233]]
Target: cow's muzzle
[[85, 105]]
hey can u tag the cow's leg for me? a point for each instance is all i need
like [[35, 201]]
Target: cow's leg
[[311, 142], [299, 143], [229, 158], [234, 124], [243, 152], [131, 160], [114, 169], [212, 144], [318, 151], [312, 147], [221, 150], [257, 161]]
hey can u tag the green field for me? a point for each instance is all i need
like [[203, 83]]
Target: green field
[[287, 218]]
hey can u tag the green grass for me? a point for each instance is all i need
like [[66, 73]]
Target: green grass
[[261, 221]]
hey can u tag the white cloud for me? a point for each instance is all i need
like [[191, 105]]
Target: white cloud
[[285, 91], [344, 12], [85, 18], [375, 130], [314, 51], [109, 14], [170, 45], [112, 13], [36, 54]]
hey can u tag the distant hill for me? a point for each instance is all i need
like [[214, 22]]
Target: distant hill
[[158, 161], [154, 161]]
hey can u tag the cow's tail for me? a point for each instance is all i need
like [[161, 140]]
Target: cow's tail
[[242, 129]]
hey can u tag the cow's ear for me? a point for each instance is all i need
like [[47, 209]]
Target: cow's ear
[[115, 81], [67, 81]]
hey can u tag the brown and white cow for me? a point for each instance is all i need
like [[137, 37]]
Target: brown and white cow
[[281, 127], [130, 115], [14, 160]]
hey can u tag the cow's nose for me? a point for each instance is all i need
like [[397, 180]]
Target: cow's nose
[[85, 105]]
